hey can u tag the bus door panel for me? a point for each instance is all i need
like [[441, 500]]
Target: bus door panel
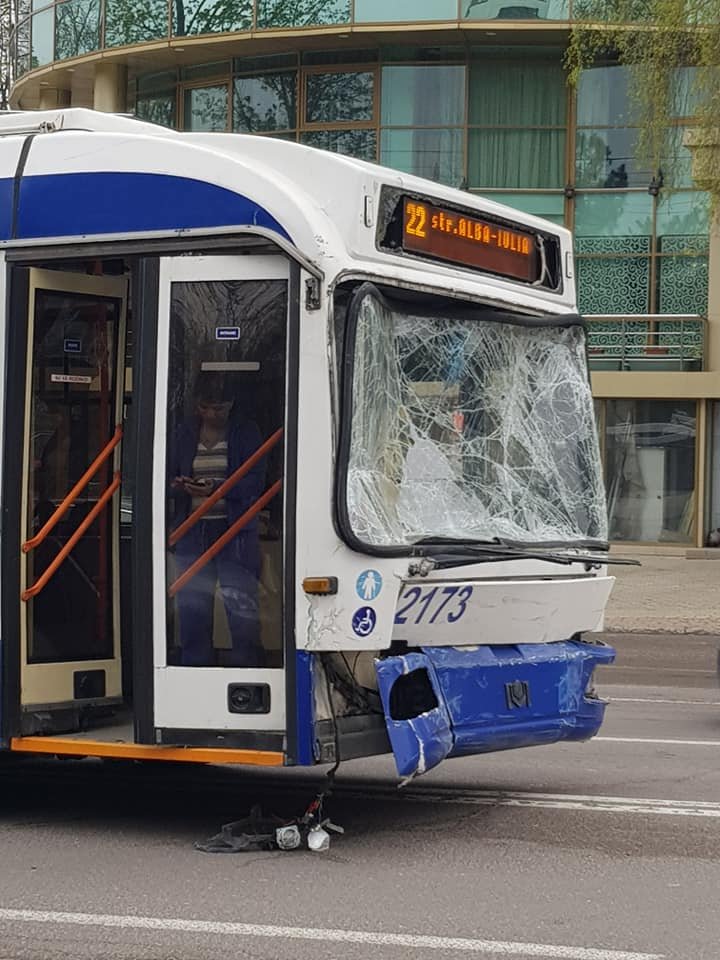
[[218, 498], [69, 603]]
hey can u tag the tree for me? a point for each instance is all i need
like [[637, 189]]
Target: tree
[[672, 49]]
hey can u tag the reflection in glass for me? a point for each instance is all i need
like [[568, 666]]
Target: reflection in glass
[[412, 11], [22, 43], [361, 144], [515, 9], [301, 13], [135, 22], [423, 96], [265, 103], [42, 38], [434, 154], [157, 109], [77, 28], [206, 108], [210, 16], [650, 469], [684, 215], [339, 97], [603, 99], [225, 398], [619, 215], [607, 158]]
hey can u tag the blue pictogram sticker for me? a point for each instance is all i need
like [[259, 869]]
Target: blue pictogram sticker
[[72, 345], [369, 584], [227, 333], [363, 621]]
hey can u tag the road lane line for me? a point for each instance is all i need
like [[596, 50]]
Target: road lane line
[[415, 942], [699, 703], [679, 743]]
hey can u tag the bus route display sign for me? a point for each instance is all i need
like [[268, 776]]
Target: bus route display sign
[[443, 233]]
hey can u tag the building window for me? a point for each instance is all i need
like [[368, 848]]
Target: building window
[[77, 28], [404, 11], [301, 13], [202, 16], [205, 108], [42, 38], [650, 469], [422, 117], [517, 119], [264, 103], [715, 468], [515, 9], [127, 23]]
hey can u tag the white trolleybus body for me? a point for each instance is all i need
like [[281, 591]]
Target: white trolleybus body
[[299, 459]]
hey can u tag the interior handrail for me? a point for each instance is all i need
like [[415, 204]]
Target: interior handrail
[[72, 496], [62, 555], [225, 538], [237, 475]]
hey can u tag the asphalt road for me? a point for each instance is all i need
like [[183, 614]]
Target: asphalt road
[[608, 850]]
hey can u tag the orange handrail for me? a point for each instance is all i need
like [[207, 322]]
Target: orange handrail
[[215, 548], [63, 507], [59, 559], [226, 485]]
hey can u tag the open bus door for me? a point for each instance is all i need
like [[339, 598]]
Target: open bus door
[[219, 500], [72, 340]]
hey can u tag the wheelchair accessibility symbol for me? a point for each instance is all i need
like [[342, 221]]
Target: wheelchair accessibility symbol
[[363, 621]]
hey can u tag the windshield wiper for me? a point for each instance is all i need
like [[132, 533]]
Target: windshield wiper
[[460, 553]]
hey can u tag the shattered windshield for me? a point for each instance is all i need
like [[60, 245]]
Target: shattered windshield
[[468, 428]]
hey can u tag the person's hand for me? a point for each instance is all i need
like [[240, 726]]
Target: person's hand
[[199, 488]]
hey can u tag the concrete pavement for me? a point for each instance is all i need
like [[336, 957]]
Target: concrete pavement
[[668, 593]]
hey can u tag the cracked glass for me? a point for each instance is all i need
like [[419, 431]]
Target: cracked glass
[[469, 427]]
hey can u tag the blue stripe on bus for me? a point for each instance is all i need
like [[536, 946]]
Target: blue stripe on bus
[[81, 204], [304, 712]]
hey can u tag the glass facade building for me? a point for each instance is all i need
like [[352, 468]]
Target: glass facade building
[[474, 94]]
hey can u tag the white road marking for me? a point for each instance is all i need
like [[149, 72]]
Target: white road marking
[[700, 703], [679, 743], [414, 942], [553, 801]]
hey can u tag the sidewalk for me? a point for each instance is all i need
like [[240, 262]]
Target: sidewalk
[[667, 594]]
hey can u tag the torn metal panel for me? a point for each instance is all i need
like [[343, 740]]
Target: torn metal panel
[[450, 702], [470, 427], [417, 719]]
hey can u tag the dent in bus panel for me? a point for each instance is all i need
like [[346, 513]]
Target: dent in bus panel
[[225, 400]]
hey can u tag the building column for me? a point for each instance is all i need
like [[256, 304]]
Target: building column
[[110, 88], [53, 97]]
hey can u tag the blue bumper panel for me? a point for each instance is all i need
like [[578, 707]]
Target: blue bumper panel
[[454, 701]]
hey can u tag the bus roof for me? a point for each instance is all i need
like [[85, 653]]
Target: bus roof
[[77, 173]]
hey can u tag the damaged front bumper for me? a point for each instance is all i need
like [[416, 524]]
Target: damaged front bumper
[[457, 701]]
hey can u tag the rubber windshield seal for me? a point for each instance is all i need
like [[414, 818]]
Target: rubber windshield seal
[[347, 371]]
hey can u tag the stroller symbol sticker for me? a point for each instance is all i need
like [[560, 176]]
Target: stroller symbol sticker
[[363, 621], [369, 584]]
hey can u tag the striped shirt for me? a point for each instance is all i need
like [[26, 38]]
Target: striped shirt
[[211, 463]]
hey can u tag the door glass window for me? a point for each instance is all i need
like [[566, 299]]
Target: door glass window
[[226, 401], [72, 419]]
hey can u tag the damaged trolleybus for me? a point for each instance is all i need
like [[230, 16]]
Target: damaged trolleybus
[[298, 457]]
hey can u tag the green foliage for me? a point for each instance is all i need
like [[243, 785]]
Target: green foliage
[[672, 49]]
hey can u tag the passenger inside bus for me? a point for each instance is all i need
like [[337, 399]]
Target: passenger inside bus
[[209, 447]]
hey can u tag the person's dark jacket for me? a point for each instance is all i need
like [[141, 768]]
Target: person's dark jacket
[[242, 441]]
